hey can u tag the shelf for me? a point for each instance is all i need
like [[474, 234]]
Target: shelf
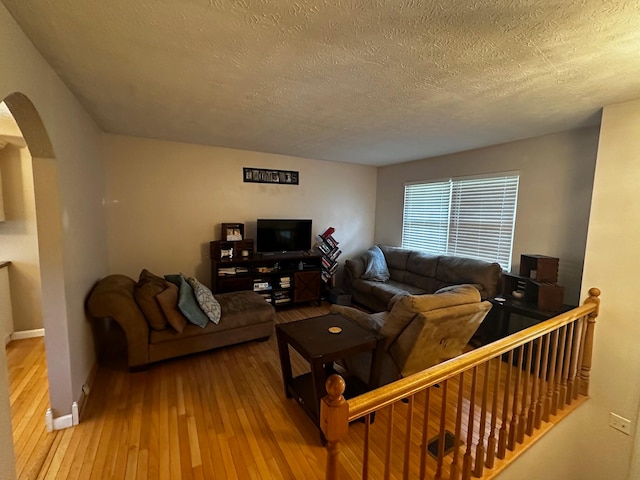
[[291, 278]]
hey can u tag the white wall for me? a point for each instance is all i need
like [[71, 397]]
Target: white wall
[[556, 175], [166, 201], [74, 254], [583, 446]]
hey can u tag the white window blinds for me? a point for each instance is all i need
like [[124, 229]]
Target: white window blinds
[[462, 217]]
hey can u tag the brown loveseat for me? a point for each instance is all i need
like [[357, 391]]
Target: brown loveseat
[[414, 272], [244, 316]]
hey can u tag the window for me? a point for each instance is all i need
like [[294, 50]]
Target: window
[[470, 217]]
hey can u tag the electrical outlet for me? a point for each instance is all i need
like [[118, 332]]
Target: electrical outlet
[[85, 389], [620, 423]]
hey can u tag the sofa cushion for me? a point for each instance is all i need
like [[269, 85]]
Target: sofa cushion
[[208, 304], [386, 291], [458, 270], [375, 265], [144, 293], [187, 302], [397, 259], [168, 301], [239, 309]]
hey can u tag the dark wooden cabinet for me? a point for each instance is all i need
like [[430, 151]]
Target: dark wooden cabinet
[[306, 286], [536, 282], [282, 279]]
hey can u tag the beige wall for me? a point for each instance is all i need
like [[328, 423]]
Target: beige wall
[[6, 313], [165, 201], [69, 191], [19, 238], [556, 176], [583, 445], [7, 470]]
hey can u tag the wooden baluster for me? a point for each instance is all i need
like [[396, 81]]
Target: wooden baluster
[[585, 367], [502, 438], [365, 454], [480, 451], [492, 443], [583, 334], [564, 384], [407, 439], [524, 404], [513, 427], [387, 457], [558, 374], [533, 402], [441, 435], [543, 381], [467, 460], [454, 471], [334, 422], [425, 435], [550, 382]]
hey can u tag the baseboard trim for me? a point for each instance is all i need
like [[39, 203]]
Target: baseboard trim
[[65, 421], [73, 419], [38, 332], [86, 388]]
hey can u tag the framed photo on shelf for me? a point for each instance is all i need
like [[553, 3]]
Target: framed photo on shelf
[[232, 232]]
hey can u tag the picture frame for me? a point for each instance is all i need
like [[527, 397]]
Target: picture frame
[[263, 175], [232, 232]]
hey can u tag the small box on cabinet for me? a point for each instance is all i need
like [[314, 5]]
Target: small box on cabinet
[[539, 267]]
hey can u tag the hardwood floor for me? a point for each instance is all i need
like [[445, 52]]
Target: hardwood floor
[[29, 399], [219, 414]]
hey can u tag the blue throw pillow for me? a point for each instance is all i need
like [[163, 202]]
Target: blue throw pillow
[[375, 265], [187, 302]]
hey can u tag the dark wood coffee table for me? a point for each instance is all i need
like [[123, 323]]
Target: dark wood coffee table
[[313, 341]]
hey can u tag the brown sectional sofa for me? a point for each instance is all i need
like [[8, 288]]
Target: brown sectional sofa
[[415, 272], [245, 316]]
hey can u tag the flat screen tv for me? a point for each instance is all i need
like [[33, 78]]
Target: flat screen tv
[[283, 235]]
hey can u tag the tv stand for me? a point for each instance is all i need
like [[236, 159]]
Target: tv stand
[[281, 278]]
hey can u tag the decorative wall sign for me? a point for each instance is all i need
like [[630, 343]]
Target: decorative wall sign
[[263, 175]]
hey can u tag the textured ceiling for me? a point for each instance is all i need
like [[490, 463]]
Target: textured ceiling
[[364, 81]]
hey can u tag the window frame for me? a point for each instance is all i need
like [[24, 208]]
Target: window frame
[[467, 238]]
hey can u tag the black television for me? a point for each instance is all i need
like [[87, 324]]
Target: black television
[[282, 235]]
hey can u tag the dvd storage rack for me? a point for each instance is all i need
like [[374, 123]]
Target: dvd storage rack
[[328, 247]]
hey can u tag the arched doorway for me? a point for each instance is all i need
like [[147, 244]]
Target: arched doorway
[[49, 245]]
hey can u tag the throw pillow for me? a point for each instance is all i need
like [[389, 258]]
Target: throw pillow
[[187, 302], [375, 265], [168, 301], [144, 293], [206, 300]]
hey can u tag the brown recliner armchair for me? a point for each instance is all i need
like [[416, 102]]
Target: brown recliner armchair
[[420, 331]]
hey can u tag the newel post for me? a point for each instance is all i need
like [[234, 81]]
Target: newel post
[[585, 368], [334, 422]]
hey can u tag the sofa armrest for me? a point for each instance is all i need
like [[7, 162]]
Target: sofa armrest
[[353, 270], [372, 321], [112, 297]]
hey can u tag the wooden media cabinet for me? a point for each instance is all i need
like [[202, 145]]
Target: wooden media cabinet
[[282, 279]]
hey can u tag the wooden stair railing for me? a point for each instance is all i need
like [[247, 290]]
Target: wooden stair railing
[[483, 407]]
